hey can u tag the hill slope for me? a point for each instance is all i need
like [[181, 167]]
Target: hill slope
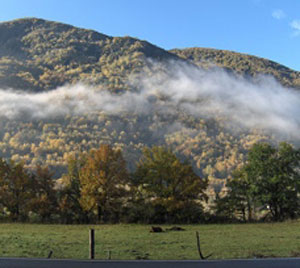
[[242, 64], [38, 55]]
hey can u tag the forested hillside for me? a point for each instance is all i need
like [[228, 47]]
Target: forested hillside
[[242, 64], [38, 56]]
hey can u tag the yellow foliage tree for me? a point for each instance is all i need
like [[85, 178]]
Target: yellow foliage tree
[[103, 182]]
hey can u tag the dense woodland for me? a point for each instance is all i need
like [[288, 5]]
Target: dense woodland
[[98, 188], [38, 56], [243, 64]]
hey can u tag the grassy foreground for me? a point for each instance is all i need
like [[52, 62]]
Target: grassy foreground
[[136, 242]]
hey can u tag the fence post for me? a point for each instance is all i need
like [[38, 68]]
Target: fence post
[[199, 249], [50, 254], [92, 244]]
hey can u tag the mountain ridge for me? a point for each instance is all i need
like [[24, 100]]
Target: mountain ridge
[[241, 63], [37, 55]]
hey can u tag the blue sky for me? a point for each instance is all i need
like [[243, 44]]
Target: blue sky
[[265, 28]]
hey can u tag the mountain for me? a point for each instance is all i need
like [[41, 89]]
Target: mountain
[[38, 56], [242, 64]]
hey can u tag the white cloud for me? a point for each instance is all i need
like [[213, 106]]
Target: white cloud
[[278, 14], [260, 104], [295, 24]]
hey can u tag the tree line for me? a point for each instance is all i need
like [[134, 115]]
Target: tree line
[[98, 188], [266, 187]]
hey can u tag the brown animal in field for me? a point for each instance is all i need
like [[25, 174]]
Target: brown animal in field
[[175, 228], [156, 229]]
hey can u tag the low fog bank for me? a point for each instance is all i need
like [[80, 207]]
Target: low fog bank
[[263, 104]]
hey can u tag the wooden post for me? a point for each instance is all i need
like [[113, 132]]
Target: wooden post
[[199, 249], [50, 254], [109, 255], [92, 244], [198, 246]]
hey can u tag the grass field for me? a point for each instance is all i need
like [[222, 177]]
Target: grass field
[[136, 242]]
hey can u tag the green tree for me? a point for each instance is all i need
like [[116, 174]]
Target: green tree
[[269, 179], [15, 189], [238, 203], [171, 186], [103, 180], [44, 201], [69, 196], [276, 178]]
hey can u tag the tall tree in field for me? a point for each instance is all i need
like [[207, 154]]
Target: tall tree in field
[[44, 200], [15, 189], [239, 203], [69, 196], [171, 185], [276, 178], [270, 178], [103, 181]]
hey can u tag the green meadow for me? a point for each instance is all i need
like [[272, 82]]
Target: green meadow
[[130, 242]]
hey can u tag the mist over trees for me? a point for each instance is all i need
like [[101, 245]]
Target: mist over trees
[[65, 91], [39, 56]]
